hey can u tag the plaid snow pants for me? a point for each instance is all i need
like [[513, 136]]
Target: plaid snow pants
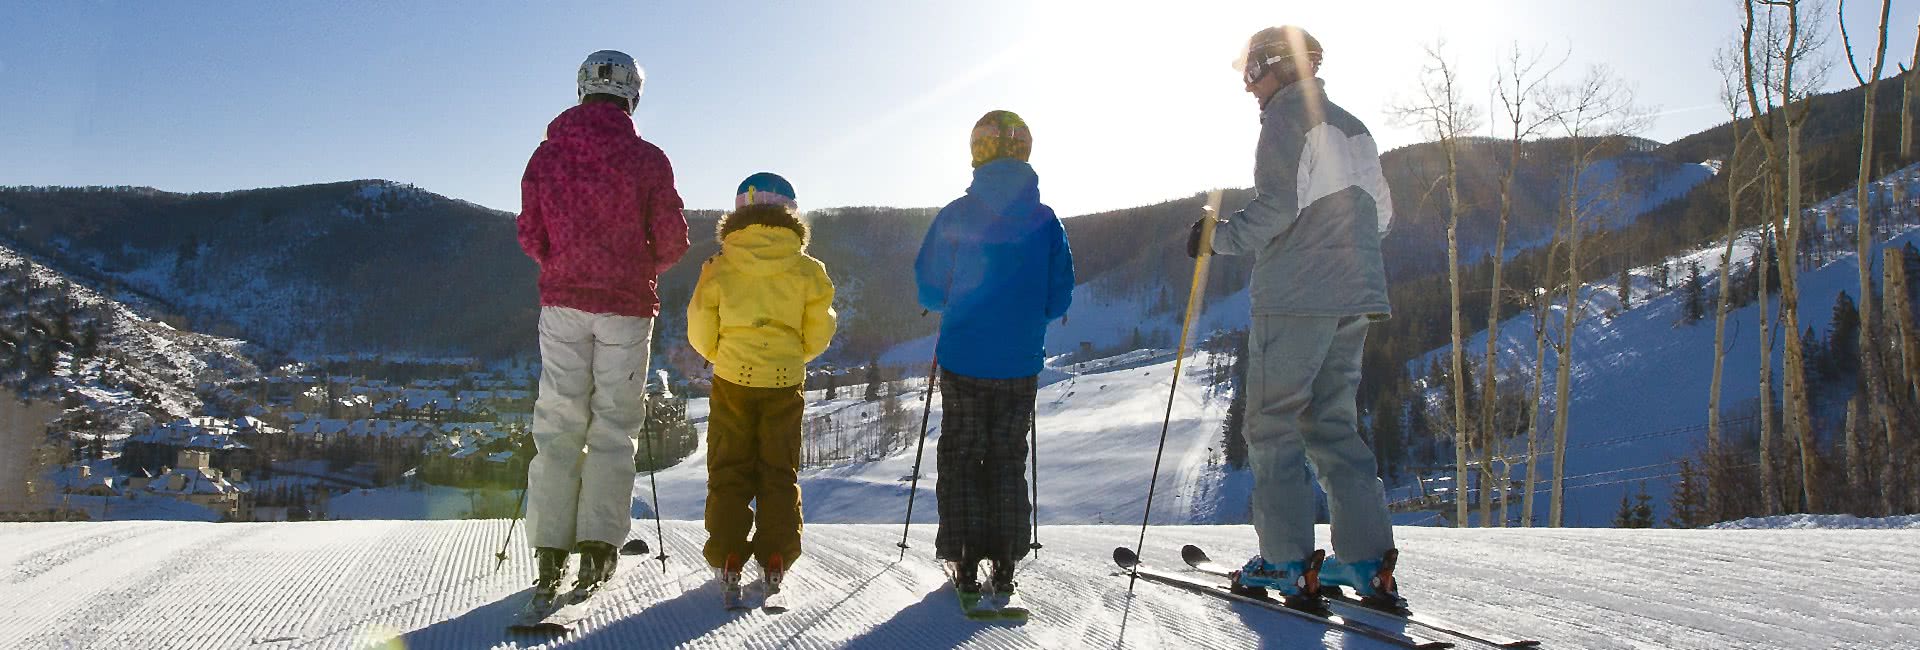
[[982, 486], [753, 456]]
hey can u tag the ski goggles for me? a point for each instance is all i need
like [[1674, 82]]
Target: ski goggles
[[1253, 68]]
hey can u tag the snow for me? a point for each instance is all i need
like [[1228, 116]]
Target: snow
[[428, 502], [1097, 435], [417, 584], [165, 362], [1822, 522]]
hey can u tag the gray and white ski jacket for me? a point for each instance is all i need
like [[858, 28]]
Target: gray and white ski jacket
[[1322, 208]]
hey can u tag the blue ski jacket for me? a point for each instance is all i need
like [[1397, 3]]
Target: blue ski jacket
[[996, 265]]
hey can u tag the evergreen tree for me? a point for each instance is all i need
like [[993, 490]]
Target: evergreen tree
[[1636, 510], [1818, 359], [1687, 506], [1843, 344], [1696, 294], [1388, 436], [1643, 509], [873, 380], [1623, 518], [1235, 441], [1419, 432], [1626, 289]]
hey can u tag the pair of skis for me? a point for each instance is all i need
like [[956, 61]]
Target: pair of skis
[[1347, 613], [569, 608]]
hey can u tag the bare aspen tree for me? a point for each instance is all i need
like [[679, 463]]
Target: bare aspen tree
[[1731, 169], [1856, 484], [1794, 47], [1442, 111], [1518, 80], [1910, 87], [1590, 114], [1542, 307], [1769, 471], [1874, 381], [1906, 336]]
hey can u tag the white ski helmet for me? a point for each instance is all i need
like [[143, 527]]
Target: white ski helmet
[[612, 72]]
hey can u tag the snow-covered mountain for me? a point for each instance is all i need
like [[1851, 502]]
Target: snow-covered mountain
[[137, 367], [342, 267], [1641, 375]]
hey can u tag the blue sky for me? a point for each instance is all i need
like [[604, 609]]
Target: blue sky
[[857, 102]]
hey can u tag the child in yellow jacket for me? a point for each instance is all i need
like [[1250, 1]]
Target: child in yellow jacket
[[761, 310]]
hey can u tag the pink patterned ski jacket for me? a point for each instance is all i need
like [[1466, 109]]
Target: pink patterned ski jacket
[[599, 213]]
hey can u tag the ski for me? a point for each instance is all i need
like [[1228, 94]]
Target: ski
[[1350, 606], [572, 607], [1125, 558], [773, 599], [975, 605], [733, 597], [1011, 606]]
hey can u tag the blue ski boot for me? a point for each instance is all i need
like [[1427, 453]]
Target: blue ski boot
[[1298, 582], [1371, 580]]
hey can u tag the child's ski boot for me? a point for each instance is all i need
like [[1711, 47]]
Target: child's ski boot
[[731, 593], [773, 572]]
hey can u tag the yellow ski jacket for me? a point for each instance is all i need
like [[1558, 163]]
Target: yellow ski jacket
[[762, 308]]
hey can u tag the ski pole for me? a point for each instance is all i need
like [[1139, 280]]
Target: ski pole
[[1033, 446], [653, 489], [520, 508], [1194, 297], [913, 490], [926, 411]]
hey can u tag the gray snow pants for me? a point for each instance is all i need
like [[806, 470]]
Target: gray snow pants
[[1302, 377], [592, 404]]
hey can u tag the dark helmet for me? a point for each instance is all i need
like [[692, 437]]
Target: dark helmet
[[1274, 45]]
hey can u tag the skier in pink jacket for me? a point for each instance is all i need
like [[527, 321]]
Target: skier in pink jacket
[[600, 216]]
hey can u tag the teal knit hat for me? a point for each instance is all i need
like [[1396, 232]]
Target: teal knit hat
[[762, 189]]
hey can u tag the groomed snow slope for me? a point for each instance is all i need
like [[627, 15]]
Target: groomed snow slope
[[401, 584]]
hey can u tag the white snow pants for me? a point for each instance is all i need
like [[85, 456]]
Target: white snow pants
[[1303, 374], [591, 407]]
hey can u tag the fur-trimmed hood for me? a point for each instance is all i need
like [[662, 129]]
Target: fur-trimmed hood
[[778, 216], [762, 240]]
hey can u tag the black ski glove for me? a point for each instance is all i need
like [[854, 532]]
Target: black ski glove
[[1193, 239]]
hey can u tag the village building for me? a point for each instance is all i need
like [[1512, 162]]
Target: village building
[[194, 481]]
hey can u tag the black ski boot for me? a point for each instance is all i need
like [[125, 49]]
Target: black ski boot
[[552, 564], [1003, 576], [597, 561], [965, 576]]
